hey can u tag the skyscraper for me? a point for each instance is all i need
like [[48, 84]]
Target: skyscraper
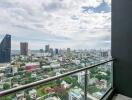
[[47, 48], [68, 52], [56, 51], [51, 51], [41, 51], [5, 49], [24, 48]]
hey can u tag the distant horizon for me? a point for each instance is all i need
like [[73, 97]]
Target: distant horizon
[[66, 49]]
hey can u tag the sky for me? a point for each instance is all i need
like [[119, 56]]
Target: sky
[[77, 24]]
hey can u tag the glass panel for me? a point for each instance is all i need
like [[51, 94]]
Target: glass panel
[[67, 88], [100, 80]]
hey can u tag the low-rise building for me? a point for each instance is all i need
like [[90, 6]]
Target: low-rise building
[[1, 76], [32, 66], [20, 96], [65, 84], [53, 98], [76, 94], [33, 94], [77, 62], [55, 64], [102, 84]]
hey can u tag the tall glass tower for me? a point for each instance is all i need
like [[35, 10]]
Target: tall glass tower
[[5, 49]]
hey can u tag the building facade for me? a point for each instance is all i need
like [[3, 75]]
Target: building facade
[[24, 48], [47, 48], [56, 51], [5, 49]]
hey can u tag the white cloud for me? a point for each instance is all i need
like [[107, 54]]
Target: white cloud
[[60, 23]]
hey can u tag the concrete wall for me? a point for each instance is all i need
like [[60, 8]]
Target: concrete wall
[[122, 45]]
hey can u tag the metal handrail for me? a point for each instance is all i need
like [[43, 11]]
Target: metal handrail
[[33, 84]]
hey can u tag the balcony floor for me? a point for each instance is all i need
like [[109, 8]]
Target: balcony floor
[[121, 97]]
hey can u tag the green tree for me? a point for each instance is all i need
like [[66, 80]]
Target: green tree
[[6, 86], [6, 98], [20, 69], [92, 89], [23, 64], [28, 97], [13, 63], [41, 63], [28, 74], [71, 80]]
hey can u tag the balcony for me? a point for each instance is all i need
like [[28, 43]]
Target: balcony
[[88, 83], [122, 67]]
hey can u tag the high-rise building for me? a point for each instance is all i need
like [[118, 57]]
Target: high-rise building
[[56, 51], [47, 48], [68, 52], [51, 51], [5, 49], [24, 48], [41, 51]]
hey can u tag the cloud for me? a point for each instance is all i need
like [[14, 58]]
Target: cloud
[[102, 7], [60, 23]]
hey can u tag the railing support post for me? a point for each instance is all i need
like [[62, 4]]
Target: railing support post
[[86, 83]]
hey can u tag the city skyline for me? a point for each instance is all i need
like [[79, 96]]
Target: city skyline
[[60, 23]]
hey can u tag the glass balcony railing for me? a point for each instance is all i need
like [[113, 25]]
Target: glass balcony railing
[[88, 83]]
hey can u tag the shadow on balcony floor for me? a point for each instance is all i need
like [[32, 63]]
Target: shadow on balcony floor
[[121, 97]]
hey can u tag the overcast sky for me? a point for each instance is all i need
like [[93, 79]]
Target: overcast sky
[[78, 24]]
